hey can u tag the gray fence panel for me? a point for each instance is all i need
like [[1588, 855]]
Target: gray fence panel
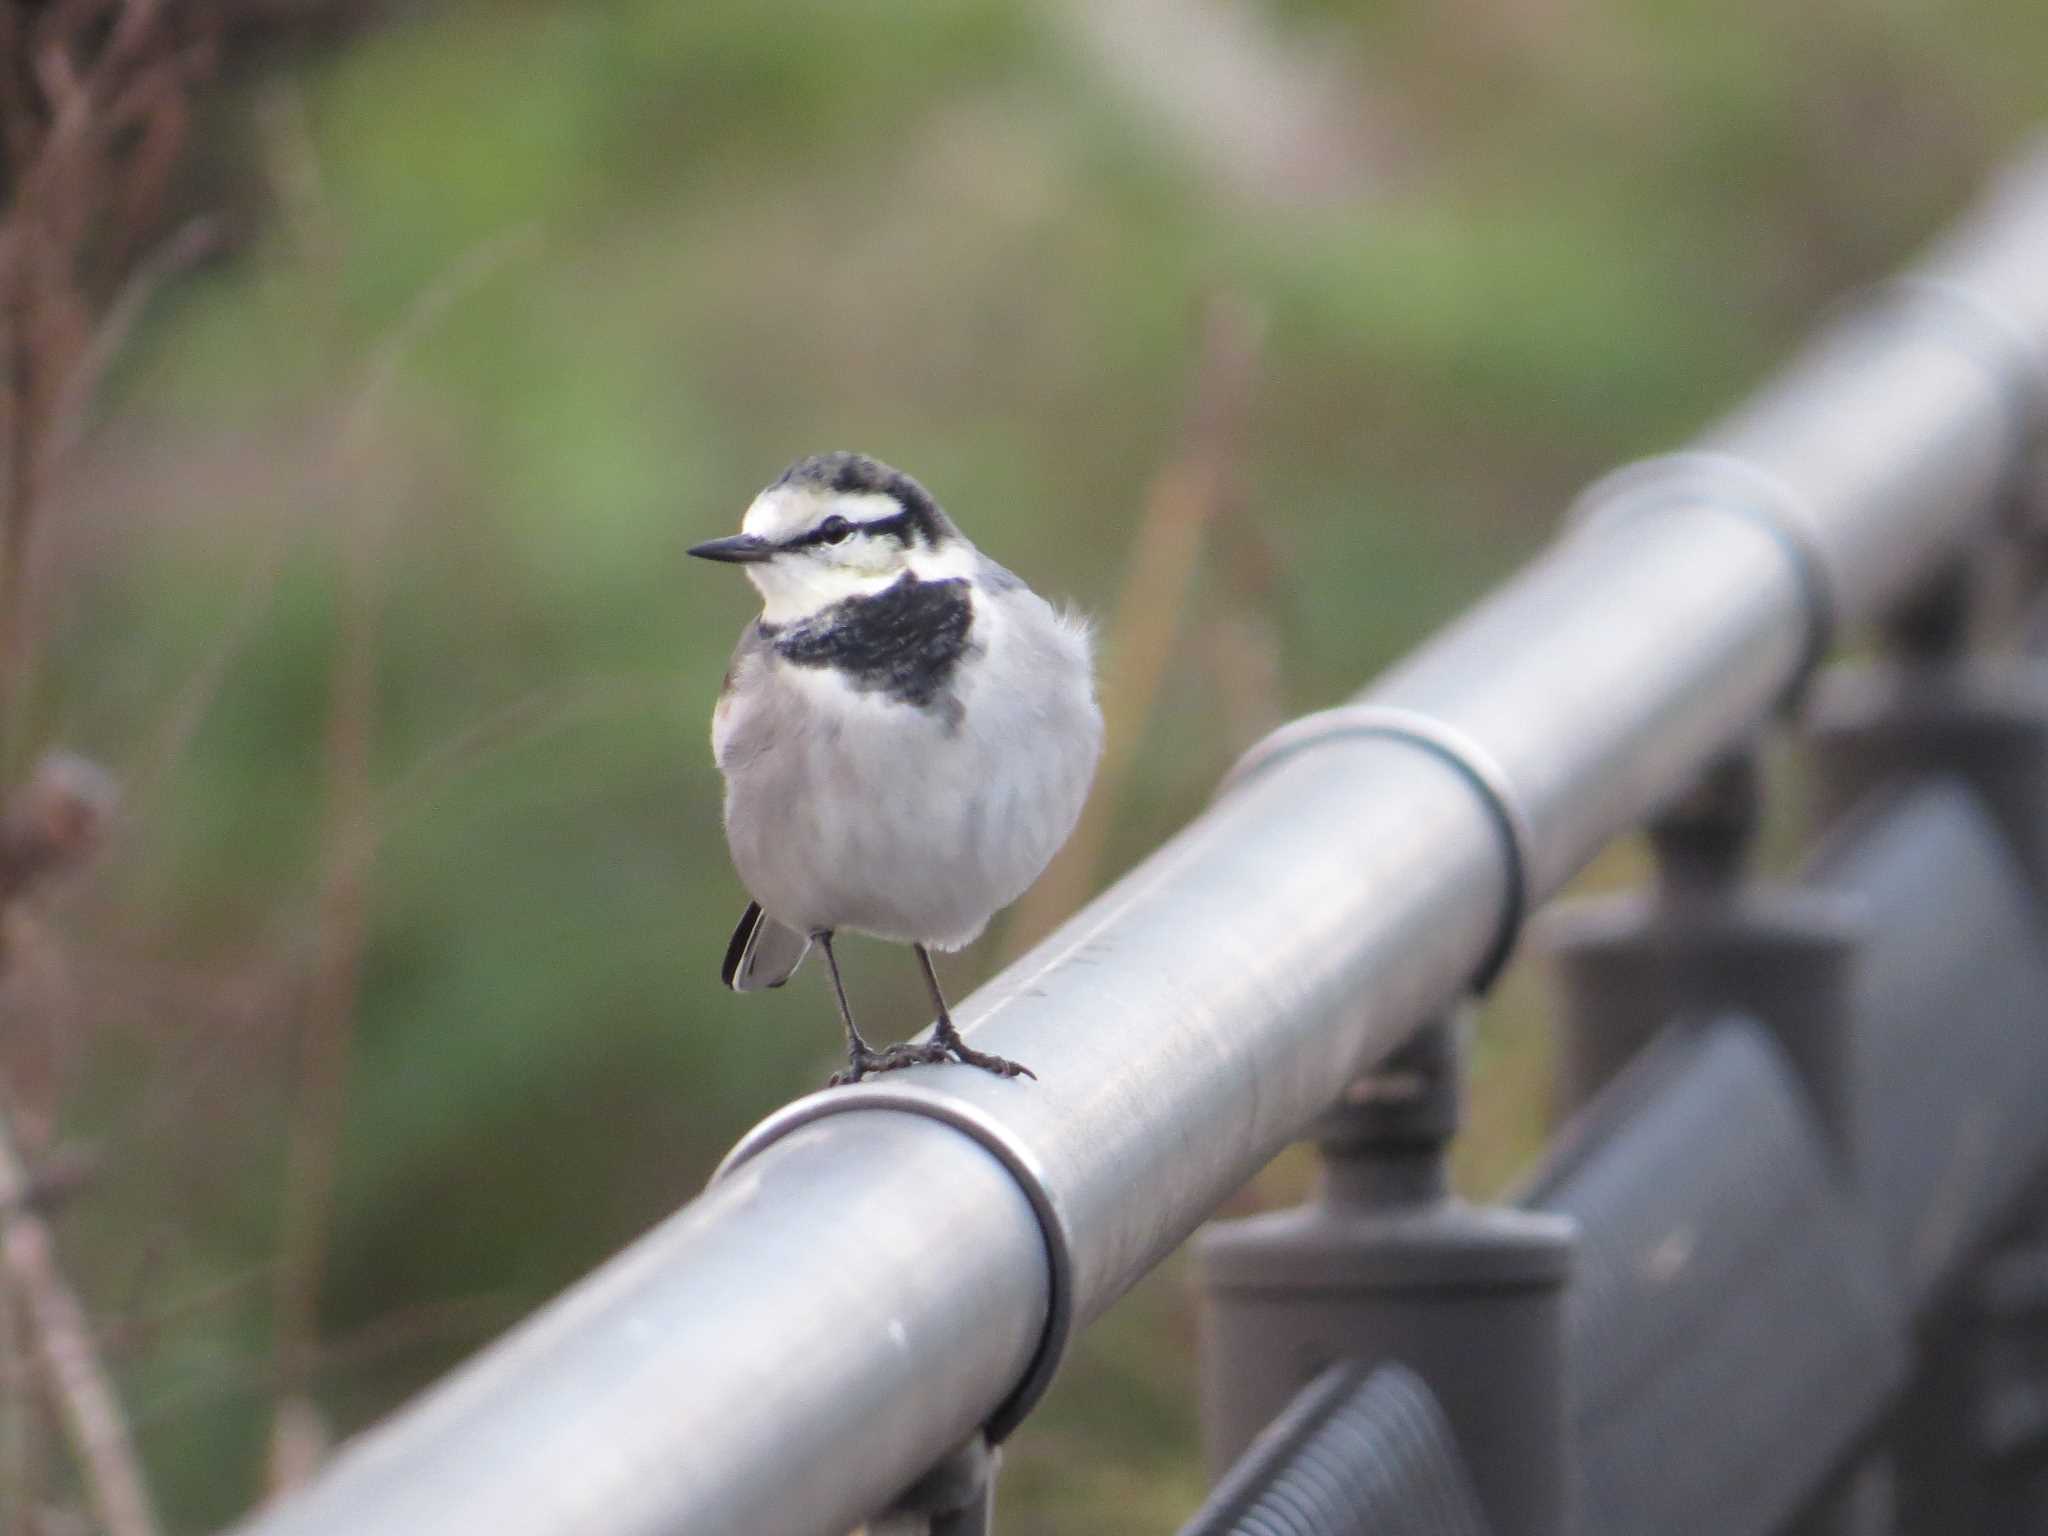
[[1951, 1047], [1355, 1454], [1732, 1333]]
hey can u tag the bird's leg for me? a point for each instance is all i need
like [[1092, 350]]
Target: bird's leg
[[946, 1039], [861, 1059]]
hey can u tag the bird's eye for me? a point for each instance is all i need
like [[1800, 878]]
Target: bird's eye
[[835, 530]]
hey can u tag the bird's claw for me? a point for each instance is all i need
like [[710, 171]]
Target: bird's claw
[[940, 1051], [861, 1062], [1002, 1066], [950, 1046]]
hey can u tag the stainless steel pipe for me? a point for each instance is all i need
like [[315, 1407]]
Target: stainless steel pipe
[[884, 1269]]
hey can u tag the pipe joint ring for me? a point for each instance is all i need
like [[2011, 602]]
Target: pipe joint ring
[[1478, 767], [1976, 320], [2015, 357], [1726, 482], [1017, 1158]]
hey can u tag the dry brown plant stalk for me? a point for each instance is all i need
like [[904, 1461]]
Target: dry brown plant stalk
[[326, 1043], [94, 117], [54, 821], [298, 1433], [299, 1438], [92, 1414], [1187, 496]]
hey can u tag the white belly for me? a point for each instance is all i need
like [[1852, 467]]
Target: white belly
[[851, 810]]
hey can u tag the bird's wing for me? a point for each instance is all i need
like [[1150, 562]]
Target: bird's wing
[[763, 952], [736, 721]]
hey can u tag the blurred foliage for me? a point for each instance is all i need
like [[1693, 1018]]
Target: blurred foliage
[[539, 293]]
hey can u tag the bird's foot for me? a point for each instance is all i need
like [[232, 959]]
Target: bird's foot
[[944, 1047], [947, 1043], [861, 1061]]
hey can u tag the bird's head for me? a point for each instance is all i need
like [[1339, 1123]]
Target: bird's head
[[835, 526]]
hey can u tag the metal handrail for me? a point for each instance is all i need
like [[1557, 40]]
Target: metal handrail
[[881, 1270]]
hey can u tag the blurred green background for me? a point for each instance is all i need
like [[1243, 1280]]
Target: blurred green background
[[529, 296]]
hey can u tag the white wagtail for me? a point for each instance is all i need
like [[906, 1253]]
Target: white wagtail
[[907, 734]]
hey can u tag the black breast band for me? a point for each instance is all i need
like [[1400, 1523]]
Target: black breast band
[[904, 641]]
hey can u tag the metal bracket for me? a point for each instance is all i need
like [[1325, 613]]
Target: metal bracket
[[1446, 741], [956, 1498], [1016, 1157]]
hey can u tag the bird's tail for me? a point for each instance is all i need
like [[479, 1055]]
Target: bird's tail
[[763, 952]]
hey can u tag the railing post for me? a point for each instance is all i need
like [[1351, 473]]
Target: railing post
[[1703, 943], [1972, 1437], [1384, 1263], [1931, 707], [1707, 941], [2008, 1317], [956, 1498]]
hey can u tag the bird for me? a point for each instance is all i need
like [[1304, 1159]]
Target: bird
[[907, 733]]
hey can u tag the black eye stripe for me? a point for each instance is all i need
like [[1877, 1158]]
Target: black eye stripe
[[836, 529]]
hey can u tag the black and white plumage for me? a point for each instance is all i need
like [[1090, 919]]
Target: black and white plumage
[[907, 733]]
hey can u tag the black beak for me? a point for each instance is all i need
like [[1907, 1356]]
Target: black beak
[[740, 549]]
